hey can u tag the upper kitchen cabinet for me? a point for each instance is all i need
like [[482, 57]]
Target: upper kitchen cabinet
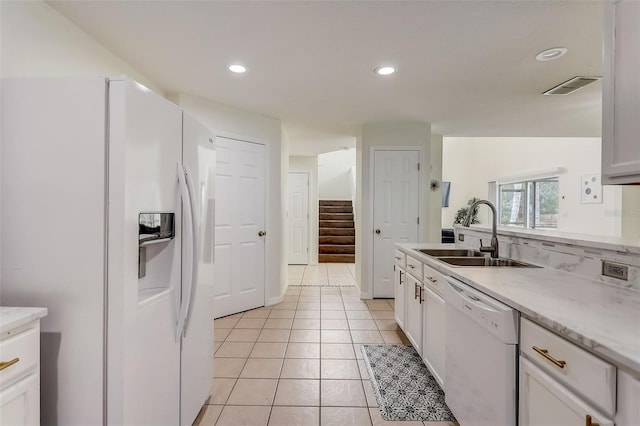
[[621, 93]]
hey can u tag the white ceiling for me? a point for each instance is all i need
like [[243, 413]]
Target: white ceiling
[[467, 68]]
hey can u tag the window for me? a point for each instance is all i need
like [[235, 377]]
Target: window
[[529, 204]]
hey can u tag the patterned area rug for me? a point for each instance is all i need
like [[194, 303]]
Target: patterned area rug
[[404, 387]]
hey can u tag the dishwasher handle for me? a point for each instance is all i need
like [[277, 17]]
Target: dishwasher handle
[[470, 298]]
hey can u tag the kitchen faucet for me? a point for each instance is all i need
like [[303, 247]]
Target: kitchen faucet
[[493, 248]]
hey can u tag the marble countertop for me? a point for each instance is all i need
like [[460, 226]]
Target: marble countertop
[[12, 317], [601, 318]]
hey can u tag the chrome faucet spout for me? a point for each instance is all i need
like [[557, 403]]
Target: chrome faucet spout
[[493, 248]]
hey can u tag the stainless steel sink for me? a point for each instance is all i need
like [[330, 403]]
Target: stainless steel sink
[[485, 261], [451, 252]]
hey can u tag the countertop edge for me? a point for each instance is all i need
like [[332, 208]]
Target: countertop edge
[[15, 316], [580, 338]]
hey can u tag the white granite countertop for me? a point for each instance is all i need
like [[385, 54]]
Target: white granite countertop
[[601, 318], [12, 317]]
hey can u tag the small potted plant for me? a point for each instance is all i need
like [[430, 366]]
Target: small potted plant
[[461, 214]]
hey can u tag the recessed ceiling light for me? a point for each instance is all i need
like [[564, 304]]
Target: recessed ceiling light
[[551, 54], [237, 68], [385, 70]]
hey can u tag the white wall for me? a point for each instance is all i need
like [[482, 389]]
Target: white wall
[[37, 41], [470, 163], [434, 216], [630, 212], [248, 126], [304, 164], [413, 133], [334, 174]]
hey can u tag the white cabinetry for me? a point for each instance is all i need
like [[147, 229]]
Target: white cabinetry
[[545, 402], [413, 318], [562, 384], [621, 93], [628, 396], [433, 334], [20, 374], [400, 278], [433, 323]]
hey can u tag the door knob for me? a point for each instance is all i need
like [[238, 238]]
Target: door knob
[[261, 234], [378, 231]]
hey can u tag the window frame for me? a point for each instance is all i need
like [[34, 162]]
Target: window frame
[[529, 189]]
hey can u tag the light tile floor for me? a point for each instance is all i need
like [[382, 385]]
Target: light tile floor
[[300, 362], [322, 274]]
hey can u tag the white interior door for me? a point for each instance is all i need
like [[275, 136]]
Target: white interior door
[[395, 212], [240, 226], [298, 218]]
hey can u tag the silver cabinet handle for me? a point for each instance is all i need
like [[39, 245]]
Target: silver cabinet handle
[[433, 280], [378, 231], [411, 266], [261, 234]]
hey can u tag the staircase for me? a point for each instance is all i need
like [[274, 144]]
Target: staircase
[[337, 235]]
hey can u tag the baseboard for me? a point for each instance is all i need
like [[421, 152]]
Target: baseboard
[[277, 299]]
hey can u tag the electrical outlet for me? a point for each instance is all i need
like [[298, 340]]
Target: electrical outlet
[[460, 237], [615, 270]]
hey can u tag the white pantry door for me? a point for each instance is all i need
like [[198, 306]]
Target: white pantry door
[[240, 226], [395, 212], [298, 218]]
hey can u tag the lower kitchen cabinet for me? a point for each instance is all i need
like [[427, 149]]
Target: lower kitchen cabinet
[[433, 334], [413, 314], [20, 376], [400, 299], [628, 413], [545, 402]]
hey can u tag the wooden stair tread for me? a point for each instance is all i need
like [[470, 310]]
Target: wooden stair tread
[[336, 232]]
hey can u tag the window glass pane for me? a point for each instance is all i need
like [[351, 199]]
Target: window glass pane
[[546, 203], [513, 202]]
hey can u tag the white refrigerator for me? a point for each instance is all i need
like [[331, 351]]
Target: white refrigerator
[[107, 219]]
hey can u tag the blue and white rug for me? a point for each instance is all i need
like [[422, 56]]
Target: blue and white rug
[[404, 387]]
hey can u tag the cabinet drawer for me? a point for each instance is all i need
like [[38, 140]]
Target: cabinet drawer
[[585, 373], [400, 259], [414, 267], [25, 347], [434, 279]]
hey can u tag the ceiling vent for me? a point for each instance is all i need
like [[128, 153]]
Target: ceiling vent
[[571, 85]]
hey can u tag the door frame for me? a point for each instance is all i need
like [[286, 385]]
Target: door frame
[[422, 197], [268, 259], [308, 214]]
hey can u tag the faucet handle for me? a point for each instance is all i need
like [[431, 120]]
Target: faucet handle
[[484, 248]]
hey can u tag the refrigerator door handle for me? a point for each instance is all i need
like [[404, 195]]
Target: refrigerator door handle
[[187, 250], [196, 250]]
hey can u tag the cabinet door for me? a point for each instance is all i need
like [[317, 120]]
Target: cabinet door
[[621, 93], [433, 334], [20, 402], [413, 316], [545, 402], [400, 279], [628, 396]]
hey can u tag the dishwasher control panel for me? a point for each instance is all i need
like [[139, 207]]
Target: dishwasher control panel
[[498, 318]]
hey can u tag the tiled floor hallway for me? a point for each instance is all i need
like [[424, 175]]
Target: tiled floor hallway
[[299, 362]]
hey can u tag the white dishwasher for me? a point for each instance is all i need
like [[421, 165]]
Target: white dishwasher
[[481, 350]]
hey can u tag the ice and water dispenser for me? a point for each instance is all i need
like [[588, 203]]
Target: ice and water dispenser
[[153, 229]]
